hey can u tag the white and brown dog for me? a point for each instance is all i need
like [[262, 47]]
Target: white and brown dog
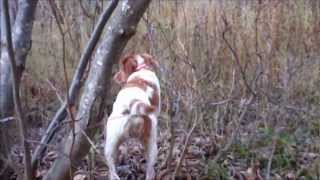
[[135, 110]]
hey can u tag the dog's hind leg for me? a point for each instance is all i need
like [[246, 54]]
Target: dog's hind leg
[[113, 137], [151, 151]]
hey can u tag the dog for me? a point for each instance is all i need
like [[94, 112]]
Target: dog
[[135, 111]]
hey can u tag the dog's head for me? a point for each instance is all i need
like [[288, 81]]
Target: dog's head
[[133, 63]]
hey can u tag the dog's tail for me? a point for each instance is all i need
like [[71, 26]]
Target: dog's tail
[[139, 122], [140, 126], [138, 107]]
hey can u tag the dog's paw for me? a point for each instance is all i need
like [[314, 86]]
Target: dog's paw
[[114, 176], [150, 174]]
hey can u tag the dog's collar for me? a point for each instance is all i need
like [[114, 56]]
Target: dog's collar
[[142, 66]]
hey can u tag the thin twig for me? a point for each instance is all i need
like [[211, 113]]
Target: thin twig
[[175, 108], [274, 144], [238, 122], [16, 94], [220, 102], [85, 12], [93, 145], [4, 120], [235, 55], [186, 143], [55, 90], [234, 134], [57, 15], [230, 98], [53, 147]]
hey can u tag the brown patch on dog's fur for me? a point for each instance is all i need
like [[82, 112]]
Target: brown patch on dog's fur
[[141, 107], [155, 99], [146, 128], [143, 84], [127, 66], [139, 126], [150, 61]]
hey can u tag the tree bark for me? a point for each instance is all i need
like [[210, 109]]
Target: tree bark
[[15, 89], [22, 32], [120, 30], [75, 84], [21, 35]]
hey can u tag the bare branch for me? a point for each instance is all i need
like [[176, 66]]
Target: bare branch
[[55, 90], [186, 144], [85, 12], [174, 110], [236, 57], [274, 144], [4, 120], [62, 33], [236, 131]]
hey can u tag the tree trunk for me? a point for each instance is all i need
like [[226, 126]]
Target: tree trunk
[[22, 31], [75, 84], [121, 28], [15, 88]]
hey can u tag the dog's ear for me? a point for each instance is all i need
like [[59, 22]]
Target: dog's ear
[[128, 64], [120, 77], [150, 60]]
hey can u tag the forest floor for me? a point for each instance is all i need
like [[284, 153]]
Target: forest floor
[[247, 158]]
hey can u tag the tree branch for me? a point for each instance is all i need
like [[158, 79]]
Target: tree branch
[[16, 95], [75, 84], [186, 144], [236, 57]]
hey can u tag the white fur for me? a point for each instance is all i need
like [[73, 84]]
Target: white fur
[[116, 131], [139, 59]]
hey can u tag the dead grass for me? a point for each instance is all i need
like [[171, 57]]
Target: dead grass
[[279, 38]]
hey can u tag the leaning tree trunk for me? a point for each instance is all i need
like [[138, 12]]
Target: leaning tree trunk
[[75, 84], [119, 31], [22, 31]]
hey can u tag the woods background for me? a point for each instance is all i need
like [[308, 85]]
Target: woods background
[[240, 83]]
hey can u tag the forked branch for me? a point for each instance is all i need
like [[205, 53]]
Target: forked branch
[[75, 84]]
